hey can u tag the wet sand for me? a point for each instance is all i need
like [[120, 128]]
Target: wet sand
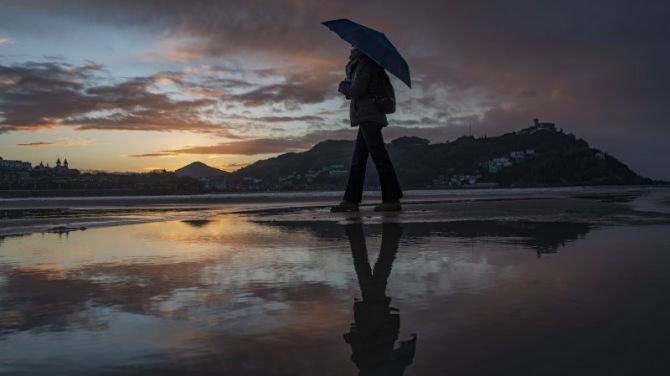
[[604, 206], [542, 285]]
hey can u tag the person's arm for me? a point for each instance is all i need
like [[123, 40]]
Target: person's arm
[[359, 82], [344, 88]]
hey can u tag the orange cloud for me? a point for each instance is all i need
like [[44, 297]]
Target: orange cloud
[[45, 144], [282, 145], [243, 147], [37, 144], [230, 167], [180, 48]]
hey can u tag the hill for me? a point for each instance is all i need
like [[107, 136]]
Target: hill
[[535, 156], [199, 170]]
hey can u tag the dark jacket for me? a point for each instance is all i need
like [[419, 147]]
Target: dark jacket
[[361, 85]]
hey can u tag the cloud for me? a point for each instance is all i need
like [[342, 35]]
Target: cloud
[[49, 94], [6, 40], [242, 147], [231, 166], [296, 89], [157, 154], [263, 146], [279, 119], [64, 143], [505, 49], [425, 120], [257, 146], [37, 95], [39, 144]]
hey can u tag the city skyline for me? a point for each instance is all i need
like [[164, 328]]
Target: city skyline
[[143, 85]]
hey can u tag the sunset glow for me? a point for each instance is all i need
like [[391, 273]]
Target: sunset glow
[[134, 86]]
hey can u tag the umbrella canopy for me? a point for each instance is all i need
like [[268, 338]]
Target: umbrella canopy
[[374, 44]]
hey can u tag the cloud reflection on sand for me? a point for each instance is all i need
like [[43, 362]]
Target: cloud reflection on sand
[[170, 296], [170, 269]]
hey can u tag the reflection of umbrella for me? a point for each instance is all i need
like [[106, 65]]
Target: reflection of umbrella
[[374, 44]]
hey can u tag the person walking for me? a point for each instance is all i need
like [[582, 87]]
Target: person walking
[[367, 86], [369, 89]]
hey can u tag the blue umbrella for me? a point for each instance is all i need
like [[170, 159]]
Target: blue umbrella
[[374, 44]]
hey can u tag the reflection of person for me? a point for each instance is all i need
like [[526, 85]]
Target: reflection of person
[[373, 335], [362, 85]]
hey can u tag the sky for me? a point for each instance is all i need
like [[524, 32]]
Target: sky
[[137, 85]]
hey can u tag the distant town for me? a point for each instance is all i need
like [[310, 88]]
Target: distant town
[[20, 178], [539, 155], [18, 172]]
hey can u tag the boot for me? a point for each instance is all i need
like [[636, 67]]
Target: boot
[[344, 206], [390, 206]]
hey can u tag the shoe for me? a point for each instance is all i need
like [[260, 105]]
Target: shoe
[[391, 206], [344, 206]]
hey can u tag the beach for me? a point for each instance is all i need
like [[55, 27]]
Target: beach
[[583, 204], [511, 282]]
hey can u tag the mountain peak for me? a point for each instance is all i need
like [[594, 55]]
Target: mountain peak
[[199, 170]]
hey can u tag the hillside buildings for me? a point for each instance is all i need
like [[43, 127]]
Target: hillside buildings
[[14, 172]]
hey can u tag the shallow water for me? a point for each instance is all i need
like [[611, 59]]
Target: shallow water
[[232, 296]]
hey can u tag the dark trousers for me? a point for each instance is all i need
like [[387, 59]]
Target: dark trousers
[[370, 141]]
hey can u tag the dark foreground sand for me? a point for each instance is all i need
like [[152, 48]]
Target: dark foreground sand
[[610, 206]]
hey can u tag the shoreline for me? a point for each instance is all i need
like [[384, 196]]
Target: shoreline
[[298, 196], [603, 206]]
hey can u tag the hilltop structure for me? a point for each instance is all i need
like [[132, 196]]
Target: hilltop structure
[[539, 126]]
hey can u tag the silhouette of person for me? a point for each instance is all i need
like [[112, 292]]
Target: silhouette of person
[[373, 334], [363, 83]]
